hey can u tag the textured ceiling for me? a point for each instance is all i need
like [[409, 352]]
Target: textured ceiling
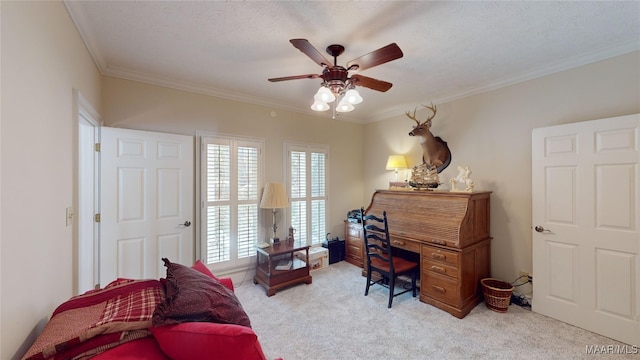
[[451, 49]]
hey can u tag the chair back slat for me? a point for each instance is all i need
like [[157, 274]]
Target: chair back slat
[[376, 238]]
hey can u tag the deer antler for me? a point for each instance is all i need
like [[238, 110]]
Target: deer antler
[[413, 117], [433, 109]]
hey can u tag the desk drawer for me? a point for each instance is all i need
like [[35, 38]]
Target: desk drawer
[[354, 249], [406, 245], [440, 268], [441, 288], [432, 253], [355, 241], [354, 230]]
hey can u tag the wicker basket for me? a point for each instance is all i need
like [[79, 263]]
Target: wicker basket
[[497, 294]]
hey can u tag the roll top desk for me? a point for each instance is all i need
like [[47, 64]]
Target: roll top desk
[[450, 231]]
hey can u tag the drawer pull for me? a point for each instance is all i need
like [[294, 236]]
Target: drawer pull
[[439, 289], [438, 269], [396, 242], [439, 242], [438, 256]]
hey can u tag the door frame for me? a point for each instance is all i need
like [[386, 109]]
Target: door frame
[[85, 113]]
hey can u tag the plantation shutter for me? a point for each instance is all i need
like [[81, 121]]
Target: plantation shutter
[[307, 173], [247, 200], [298, 197], [218, 202], [318, 198], [232, 181]]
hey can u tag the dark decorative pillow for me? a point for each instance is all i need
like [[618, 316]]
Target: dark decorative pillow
[[200, 266], [195, 297]]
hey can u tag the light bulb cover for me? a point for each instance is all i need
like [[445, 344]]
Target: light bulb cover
[[319, 106], [324, 95], [353, 97], [344, 106]]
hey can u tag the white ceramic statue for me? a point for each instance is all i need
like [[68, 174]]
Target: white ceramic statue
[[463, 177]]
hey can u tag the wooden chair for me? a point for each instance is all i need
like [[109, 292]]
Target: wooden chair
[[379, 257]]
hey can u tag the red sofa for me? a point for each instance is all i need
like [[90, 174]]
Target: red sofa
[[189, 315]]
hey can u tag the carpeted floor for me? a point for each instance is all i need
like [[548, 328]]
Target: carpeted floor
[[332, 319]]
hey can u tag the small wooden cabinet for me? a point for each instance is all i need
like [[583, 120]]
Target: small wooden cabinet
[[354, 243], [272, 276]]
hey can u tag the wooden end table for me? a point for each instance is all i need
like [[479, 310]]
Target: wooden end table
[[270, 272]]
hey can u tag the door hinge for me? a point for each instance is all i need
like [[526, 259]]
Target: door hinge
[[96, 218], [97, 147]]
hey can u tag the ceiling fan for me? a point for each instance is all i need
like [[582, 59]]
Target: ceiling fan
[[336, 81]]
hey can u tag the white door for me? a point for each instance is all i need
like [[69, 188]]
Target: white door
[[147, 195], [586, 243]]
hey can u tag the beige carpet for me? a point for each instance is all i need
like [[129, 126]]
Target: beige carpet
[[332, 319]]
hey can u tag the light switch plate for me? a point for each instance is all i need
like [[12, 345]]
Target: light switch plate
[[69, 215]]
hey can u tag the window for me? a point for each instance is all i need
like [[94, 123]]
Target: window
[[307, 173], [231, 177]]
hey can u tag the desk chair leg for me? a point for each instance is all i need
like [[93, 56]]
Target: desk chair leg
[[392, 287], [366, 291]]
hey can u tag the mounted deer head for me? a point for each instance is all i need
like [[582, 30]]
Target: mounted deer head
[[435, 151]]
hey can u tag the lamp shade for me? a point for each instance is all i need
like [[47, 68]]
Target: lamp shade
[[353, 97], [395, 162], [324, 95], [344, 106], [274, 197], [319, 106]]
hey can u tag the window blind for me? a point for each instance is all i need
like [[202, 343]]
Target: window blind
[[232, 182], [307, 173]]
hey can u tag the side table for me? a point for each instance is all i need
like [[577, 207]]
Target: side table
[[277, 267]]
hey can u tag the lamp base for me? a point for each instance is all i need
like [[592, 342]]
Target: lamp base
[[275, 240], [399, 185]]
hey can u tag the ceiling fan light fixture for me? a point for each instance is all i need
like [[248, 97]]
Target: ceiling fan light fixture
[[353, 97], [324, 95], [319, 106], [344, 106], [336, 82]]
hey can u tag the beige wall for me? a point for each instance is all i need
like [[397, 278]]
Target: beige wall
[[43, 60], [135, 105], [491, 133]]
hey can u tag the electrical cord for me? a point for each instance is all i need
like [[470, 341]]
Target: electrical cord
[[525, 281], [252, 265], [520, 299]]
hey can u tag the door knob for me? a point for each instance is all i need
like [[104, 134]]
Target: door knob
[[186, 223], [540, 229]]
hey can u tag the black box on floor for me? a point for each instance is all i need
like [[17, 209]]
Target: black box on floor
[[336, 250]]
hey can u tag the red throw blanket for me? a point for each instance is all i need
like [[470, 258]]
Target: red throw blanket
[[98, 320]]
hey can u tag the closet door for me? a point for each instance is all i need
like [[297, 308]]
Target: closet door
[[586, 210]]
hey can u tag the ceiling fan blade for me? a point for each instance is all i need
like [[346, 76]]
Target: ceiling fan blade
[[295, 77], [305, 46], [376, 57], [371, 83]]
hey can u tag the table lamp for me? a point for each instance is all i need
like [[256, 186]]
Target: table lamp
[[396, 162], [274, 197]]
